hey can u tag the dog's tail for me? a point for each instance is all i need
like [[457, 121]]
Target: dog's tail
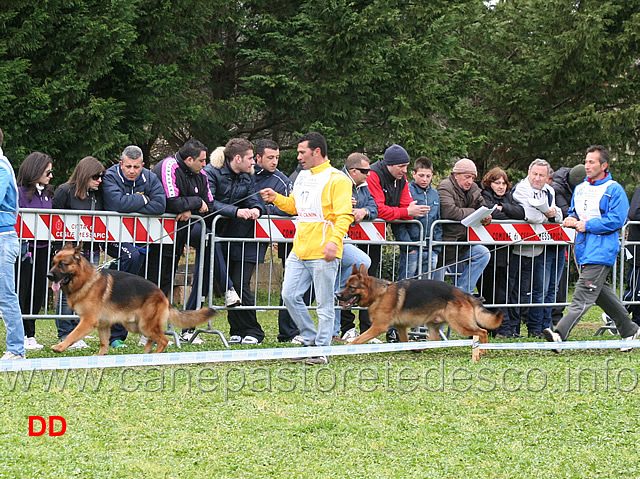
[[190, 319], [488, 319]]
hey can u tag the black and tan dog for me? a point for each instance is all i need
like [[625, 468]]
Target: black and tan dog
[[104, 297], [412, 303]]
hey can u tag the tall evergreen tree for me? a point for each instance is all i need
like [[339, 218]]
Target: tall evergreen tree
[[553, 77]]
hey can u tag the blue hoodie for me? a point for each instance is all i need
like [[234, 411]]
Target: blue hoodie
[[8, 195], [600, 243]]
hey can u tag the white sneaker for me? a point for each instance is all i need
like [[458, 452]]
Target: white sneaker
[[297, 340], [9, 356], [231, 298], [186, 337], [553, 337], [350, 335], [250, 340], [635, 336], [235, 339], [79, 344], [31, 343]]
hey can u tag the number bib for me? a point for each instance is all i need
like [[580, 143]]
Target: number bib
[[307, 192], [586, 199]]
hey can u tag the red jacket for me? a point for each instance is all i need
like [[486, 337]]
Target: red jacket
[[386, 212]]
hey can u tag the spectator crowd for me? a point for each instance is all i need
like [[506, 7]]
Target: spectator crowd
[[239, 183]]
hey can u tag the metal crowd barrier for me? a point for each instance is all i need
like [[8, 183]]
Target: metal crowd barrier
[[628, 272], [514, 240], [42, 232], [278, 232]]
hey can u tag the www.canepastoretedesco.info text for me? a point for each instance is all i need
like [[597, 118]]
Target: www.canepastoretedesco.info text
[[390, 377]]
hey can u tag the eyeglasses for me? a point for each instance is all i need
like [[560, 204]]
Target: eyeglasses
[[49, 173], [364, 171], [97, 176]]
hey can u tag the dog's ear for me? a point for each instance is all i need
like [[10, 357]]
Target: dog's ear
[[363, 270], [77, 252], [354, 270], [68, 246]]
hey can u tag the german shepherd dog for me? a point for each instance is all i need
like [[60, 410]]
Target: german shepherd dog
[[104, 297], [412, 303]]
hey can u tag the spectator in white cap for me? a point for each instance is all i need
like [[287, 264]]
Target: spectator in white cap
[[459, 197]]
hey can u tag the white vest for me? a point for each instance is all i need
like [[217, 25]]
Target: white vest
[[586, 199], [307, 192]]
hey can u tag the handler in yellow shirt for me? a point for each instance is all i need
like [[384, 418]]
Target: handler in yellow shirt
[[321, 199]]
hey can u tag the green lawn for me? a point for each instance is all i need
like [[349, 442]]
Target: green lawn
[[429, 414]]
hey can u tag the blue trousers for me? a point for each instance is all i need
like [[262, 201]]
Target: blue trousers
[[9, 304], [298, 277]]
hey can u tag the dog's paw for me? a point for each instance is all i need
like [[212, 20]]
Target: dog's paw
[[58, 348]]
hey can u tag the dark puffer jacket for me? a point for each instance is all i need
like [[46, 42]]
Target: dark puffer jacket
[[144, 195], [232, 191], [511, 209], [563, 189], [634, 230], [64, 199]]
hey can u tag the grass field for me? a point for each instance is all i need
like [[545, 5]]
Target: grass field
[[430, 414]]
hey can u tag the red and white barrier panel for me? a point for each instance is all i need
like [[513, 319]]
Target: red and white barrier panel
[[74, 227], [286, 229], [495, 233]]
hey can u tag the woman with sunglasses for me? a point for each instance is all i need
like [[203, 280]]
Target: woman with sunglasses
[[34, 191], [81, 192]]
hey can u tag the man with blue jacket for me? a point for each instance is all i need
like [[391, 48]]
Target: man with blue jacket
[[9, 251], [129, 187], [599, 208], [267, 175]]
